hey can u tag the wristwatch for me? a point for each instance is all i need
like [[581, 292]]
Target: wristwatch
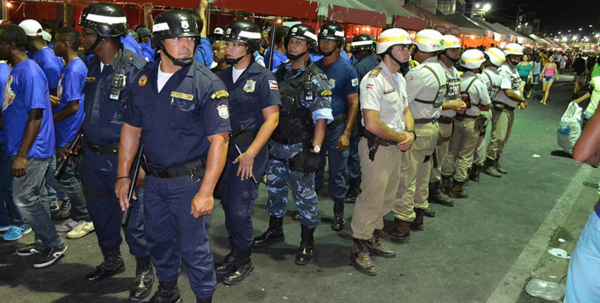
[[413, 132], [316, 149]]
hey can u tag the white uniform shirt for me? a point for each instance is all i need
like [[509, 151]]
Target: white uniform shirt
[[453, 80], [510, 80], [477, 92], [492, 80], [422, 84], [386, 93]]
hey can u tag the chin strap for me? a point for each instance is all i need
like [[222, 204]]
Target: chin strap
[[295, 57], [183, 62], [236, 61], [389, 53], [93, 47], [453, 60]]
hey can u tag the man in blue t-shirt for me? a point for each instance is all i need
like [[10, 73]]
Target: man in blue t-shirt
[[145, 42], [279, 56], [67, 120], [344, 105], [29, 138]]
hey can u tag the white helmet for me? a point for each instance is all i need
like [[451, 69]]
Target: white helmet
[[472, 59], [31, 27], [429, 41], [451, 41], [513, 49], [496, 56], [391, 37]]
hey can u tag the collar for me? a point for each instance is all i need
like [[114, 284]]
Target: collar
[[385, 70], [469, 74], [431, 59], [492, 68]]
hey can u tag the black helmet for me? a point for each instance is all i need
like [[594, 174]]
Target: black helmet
[[174, 24], [332, 31], [303, 32], [362, 42], [108, 20], [243, 31]]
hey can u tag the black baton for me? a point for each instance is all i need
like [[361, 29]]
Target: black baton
[[136, 168], [62, 165]]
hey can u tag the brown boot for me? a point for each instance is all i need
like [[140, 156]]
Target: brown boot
[[361, 259], [377, 248], [474, 172], [400, 232], [457, 190], [417, 224]]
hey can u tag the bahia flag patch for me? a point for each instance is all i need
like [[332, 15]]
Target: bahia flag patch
[[370, 85], [273, 85]]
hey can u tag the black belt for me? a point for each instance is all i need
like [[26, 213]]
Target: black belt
[[425, 121], [337, 121], [445, 120], [462, 117], [111, 149], [288, 141], [425, 102], [243, 138], [510, 108], [370, 136], [194, 169]]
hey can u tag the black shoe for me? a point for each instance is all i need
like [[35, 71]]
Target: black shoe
[[296, 216], [112, 265], [429, 213], [499, 167], [338, 216], [205, 300], [305, 253], [167, 293], [474, 173], [274, 234], [239, 273], [142, 285], [489, 168], [441, 199], [352, 194], [226, 266]]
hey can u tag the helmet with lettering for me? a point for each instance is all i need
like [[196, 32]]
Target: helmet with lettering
[[362, 42], [429, 41], [472, 59], [496, 56], [175, 24], [332, 31], [451, 41], [391, 37]]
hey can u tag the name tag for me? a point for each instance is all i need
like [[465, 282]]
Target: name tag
[[182, 96], [90, 79]]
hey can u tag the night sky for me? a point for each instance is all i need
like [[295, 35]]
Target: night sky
[[555, 15]]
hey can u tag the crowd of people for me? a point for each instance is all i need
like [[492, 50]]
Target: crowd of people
[[206, 119]]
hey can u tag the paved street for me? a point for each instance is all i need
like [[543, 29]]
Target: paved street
[[481, 250]]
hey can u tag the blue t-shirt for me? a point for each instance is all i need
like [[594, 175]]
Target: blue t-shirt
[[27, 90], [132, 45], [148, 52], [50, 64], [343, 81], [204, 53], [278, 58], [70, 88], [4, 74]]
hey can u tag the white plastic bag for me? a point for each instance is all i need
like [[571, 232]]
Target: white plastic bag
[[569, 128]]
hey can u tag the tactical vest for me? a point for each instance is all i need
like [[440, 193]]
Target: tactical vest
[[295, 120], [494, 88], [465, 96], [440, 95]]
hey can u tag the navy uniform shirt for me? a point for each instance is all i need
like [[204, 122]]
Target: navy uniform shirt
[[176, 122], [343, 82], [103, 117], [255, 90], [365, 65]]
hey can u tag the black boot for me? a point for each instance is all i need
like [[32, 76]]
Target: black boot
[[274, 233], [241, 268], [144, 279], [445, 187], [305, 252], [499, 167], [429, 213], [474, 172], [352, 193], [490, 169], [226, 266], [457, 190], [338, 216], [361, 259], [436, 196], [296, 216], [167, 293], [417, 224], [399, 233], [112, 265], [205, 300]]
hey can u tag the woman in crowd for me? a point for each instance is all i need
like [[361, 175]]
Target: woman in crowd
[[549, 73], [525, 69]]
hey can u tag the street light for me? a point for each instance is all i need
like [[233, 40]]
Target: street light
[[486, 7]]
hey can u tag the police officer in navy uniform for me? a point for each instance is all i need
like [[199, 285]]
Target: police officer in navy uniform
[[179, 108], [106, 96], [254, 107], [362, 49], [295, 145]]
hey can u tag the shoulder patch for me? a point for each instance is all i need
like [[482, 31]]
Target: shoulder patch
[[326, 93], [90, 79], [143, 80], [375, 72], [219, 94], [355, 82]]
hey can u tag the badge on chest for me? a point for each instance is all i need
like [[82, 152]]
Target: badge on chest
[[250, 86]]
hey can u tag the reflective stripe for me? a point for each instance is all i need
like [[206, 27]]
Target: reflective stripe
[[106, 19], [358, 43], [388, 39], [160, 27], [425, 40], [339, 34], [311, 35], [249, 35], [496, 56], [512, 50], [473, 60]]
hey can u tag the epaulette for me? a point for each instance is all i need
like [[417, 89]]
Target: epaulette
[[375, 72]]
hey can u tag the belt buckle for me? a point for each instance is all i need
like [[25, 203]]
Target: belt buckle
[[193, 176]]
